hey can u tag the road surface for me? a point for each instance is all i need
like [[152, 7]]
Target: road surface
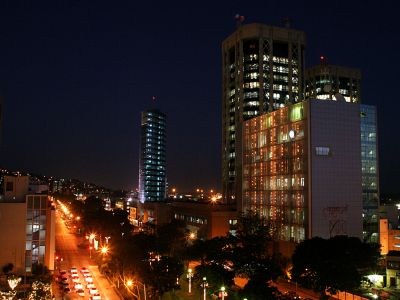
[[74, 256]]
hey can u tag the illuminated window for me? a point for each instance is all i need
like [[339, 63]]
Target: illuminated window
[[323, 151]]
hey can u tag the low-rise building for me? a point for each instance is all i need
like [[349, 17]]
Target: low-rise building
[[28, 227], [204, 220]]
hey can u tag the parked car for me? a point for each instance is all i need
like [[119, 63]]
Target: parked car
[[93, 291], [90, 286], [87, 274]]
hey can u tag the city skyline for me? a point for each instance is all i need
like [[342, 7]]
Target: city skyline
[[74, 78]]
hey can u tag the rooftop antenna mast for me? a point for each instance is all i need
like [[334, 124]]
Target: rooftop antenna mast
[[239, 20], [286, 22], [154, 98]]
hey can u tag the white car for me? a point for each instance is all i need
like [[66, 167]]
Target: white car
[[87, 274], [78, 286], [93, 291], [89, 279], [90, 286], [73, 270], [76, 279], [96, 297], [73, 275]]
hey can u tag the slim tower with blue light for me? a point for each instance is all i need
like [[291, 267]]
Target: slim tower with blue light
[[152, 162]]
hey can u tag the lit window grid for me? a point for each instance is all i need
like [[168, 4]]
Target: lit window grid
[[369, 163], [153, 156], [275, 169], [35, 248]]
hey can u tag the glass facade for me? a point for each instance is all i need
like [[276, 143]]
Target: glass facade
[[35, 246], [370, 175], [262, 71], [275, 170], [152, 164]]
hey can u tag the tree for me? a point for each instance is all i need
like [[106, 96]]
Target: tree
[[171, 238], [41, 273], [250, 251], [162, 275], [7, 268], [258, 289], [40, 291], [334, 264], [217, 275]]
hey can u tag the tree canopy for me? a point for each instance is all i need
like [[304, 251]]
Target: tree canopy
[[334, 264]]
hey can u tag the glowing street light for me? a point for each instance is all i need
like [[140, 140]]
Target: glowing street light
[[192, 235], [129, 283], [204, 285], [223, 292], [104, 250], [189, 276]]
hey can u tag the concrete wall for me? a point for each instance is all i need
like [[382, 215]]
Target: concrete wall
[[12, 237], [336, 191], [20, 186]]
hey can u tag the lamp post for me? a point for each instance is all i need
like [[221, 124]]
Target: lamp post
[[189, 276], [223, 292], [204, 285]]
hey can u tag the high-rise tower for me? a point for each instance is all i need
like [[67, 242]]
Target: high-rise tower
[[152, 163], [262, 70]]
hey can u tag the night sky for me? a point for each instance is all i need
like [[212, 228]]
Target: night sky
[[75, 76]]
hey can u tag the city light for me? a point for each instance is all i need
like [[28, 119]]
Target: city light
[[223, 293], [13, 281], [104, 249], [189, 276]]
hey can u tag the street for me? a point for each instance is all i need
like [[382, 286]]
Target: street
[[74, 256]]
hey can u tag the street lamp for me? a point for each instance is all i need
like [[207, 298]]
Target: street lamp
[[189, 276], [104, 250], [129, 283], [192, 235], [223, 292], [204, 285], [107, 238]]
